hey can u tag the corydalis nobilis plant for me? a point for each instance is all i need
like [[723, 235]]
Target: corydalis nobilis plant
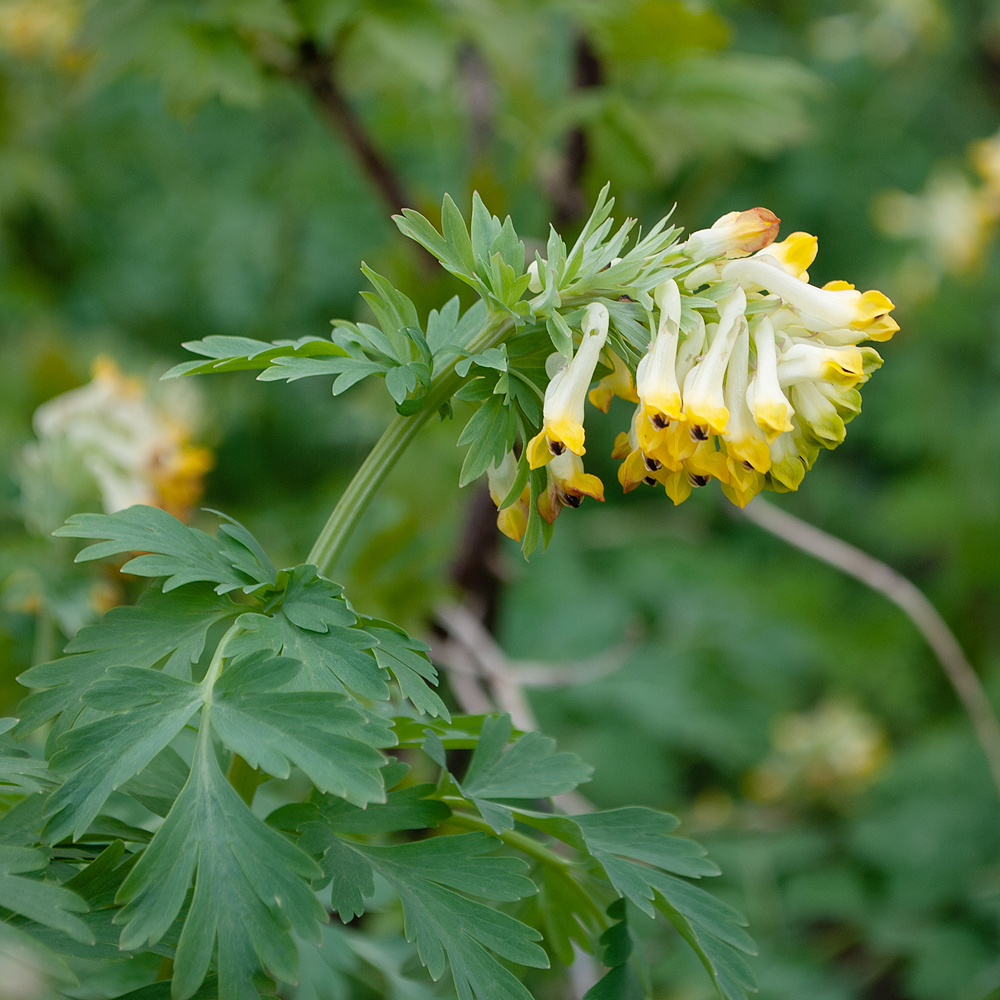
[[141, 839]]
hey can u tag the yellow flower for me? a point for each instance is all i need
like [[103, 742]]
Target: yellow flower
[[513, 519], [567, 485], [794, 253], [562, 411], [833, 307], [771, 410], [618, 383], [670, 445], [846, 366], [734, 235], [704, 399]]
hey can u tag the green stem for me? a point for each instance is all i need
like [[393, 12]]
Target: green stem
[[520, 842], [387, 450], [562, 867]]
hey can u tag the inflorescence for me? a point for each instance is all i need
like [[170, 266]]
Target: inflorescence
[[749, 372]]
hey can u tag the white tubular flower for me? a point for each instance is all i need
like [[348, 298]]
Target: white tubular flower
[[693, 345], [734, 235], [534, 282], [843, 366], [563, 409], [832, 307], [656, 376], [704, 399], [794, 253], [770, 408], [745, 442]]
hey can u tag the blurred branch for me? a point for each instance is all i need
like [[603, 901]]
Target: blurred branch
[[566, 188], [316, 69], [906, 596], [473, 658]]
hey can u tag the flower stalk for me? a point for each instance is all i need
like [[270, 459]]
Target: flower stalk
[[346, 515]]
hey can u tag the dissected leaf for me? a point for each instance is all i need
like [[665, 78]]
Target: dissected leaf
[[250, 888], [172, 627], [530, 769], [430, 877], [149, 708], [168, 548], [319, 731], [48, 904]]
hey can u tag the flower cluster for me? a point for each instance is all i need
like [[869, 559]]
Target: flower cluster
[[750, 370], [133, 450]]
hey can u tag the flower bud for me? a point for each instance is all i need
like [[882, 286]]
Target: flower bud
[[734, 235]]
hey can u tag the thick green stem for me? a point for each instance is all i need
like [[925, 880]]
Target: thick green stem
[[354, 502]]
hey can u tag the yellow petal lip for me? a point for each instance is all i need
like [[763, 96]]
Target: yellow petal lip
[[714, 418], [795, 253], [678, 487], [752, 451], [773, 417], [539, 453], [872, 306], [881, 329], [553, 440]]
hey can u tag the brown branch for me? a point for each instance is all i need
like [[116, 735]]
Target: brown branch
[[906, 596], [316, 69], [566, 189]]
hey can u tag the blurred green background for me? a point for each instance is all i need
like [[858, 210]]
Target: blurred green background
[[173, 169]]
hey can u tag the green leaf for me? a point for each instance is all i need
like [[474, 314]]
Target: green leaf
[[150, 708], [430, 877], [160, 782], [20, 773], [530, 769], [171, 627], [43, 902], [622, 982], [490, 435], [170, 548], [333, 660], [251, 888], [400, 381], [349, 371], [635, 850], [229, 354], [560, 334], [404, 809], [318, 731], [311, 601], [406, 659], [492, 357]]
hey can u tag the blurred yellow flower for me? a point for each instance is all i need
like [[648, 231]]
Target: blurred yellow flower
[[137, 451], [834, 750], [38, 27]]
